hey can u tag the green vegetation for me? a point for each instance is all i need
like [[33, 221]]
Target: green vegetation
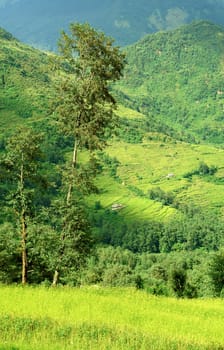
[[150, 190], [25, 183], [171, 166], [216, 272], [176, 79], [107, 319], [85, 112], [24, 84], [140, 137], [141, 209]]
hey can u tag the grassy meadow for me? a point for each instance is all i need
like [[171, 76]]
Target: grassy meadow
[[37, 318]]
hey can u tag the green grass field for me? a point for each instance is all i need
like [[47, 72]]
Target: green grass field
[[97, 318]]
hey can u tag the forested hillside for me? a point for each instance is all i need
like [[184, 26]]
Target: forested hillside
[[156, 188], [176, 79], [39, 22]]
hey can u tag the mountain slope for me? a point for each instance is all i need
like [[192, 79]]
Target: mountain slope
[[24, 83], [141, 158], [39, 22], [176, 78]]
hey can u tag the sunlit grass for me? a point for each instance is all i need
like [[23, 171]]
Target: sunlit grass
[[91, 318], [129, 113]]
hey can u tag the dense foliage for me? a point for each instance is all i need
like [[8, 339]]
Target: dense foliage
[[176, 78]]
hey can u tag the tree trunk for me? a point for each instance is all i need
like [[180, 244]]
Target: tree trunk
[[3, 80], [55, 279], [68, 199], [74, 161], [23, 243], [23, 224]]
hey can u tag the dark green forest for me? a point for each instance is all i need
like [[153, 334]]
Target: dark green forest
[[63, 122]]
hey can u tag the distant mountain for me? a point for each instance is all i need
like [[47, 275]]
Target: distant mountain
[[39, 22], [177, 79]]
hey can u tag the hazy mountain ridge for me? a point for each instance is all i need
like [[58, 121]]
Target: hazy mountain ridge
[[39, 23]]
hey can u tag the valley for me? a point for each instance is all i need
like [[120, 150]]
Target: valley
[[159, 185], [112, 189]]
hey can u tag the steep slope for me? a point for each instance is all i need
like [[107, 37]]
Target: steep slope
[[24, 83], [39, 22], [176, 78]]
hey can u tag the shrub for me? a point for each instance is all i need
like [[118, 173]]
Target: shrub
[[117, 275], [139, 284], [216, 272], [178, 281], [157, 194], [203, 169]]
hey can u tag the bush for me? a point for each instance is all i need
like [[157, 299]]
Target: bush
[[157, 287], [139, 284], [202, 170], [190, 291], [216, 272], [117, 276], [178, 279], [157, 194], [159, 272]]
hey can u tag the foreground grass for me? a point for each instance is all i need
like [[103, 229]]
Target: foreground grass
[[66, 318]]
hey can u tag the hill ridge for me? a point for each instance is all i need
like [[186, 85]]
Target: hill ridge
[[5, 35], [40, 22], [177, 78]]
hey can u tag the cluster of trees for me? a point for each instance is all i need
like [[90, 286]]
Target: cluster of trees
[[203, 169], [188, 274], [52, 233], [194, 229], [183, 274]]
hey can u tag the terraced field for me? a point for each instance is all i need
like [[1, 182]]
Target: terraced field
[[153, 164]]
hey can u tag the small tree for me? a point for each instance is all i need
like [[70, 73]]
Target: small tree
[[139, 283], [84, 103], [75, 244], [178, 279], [20, 173], [216, 271]]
